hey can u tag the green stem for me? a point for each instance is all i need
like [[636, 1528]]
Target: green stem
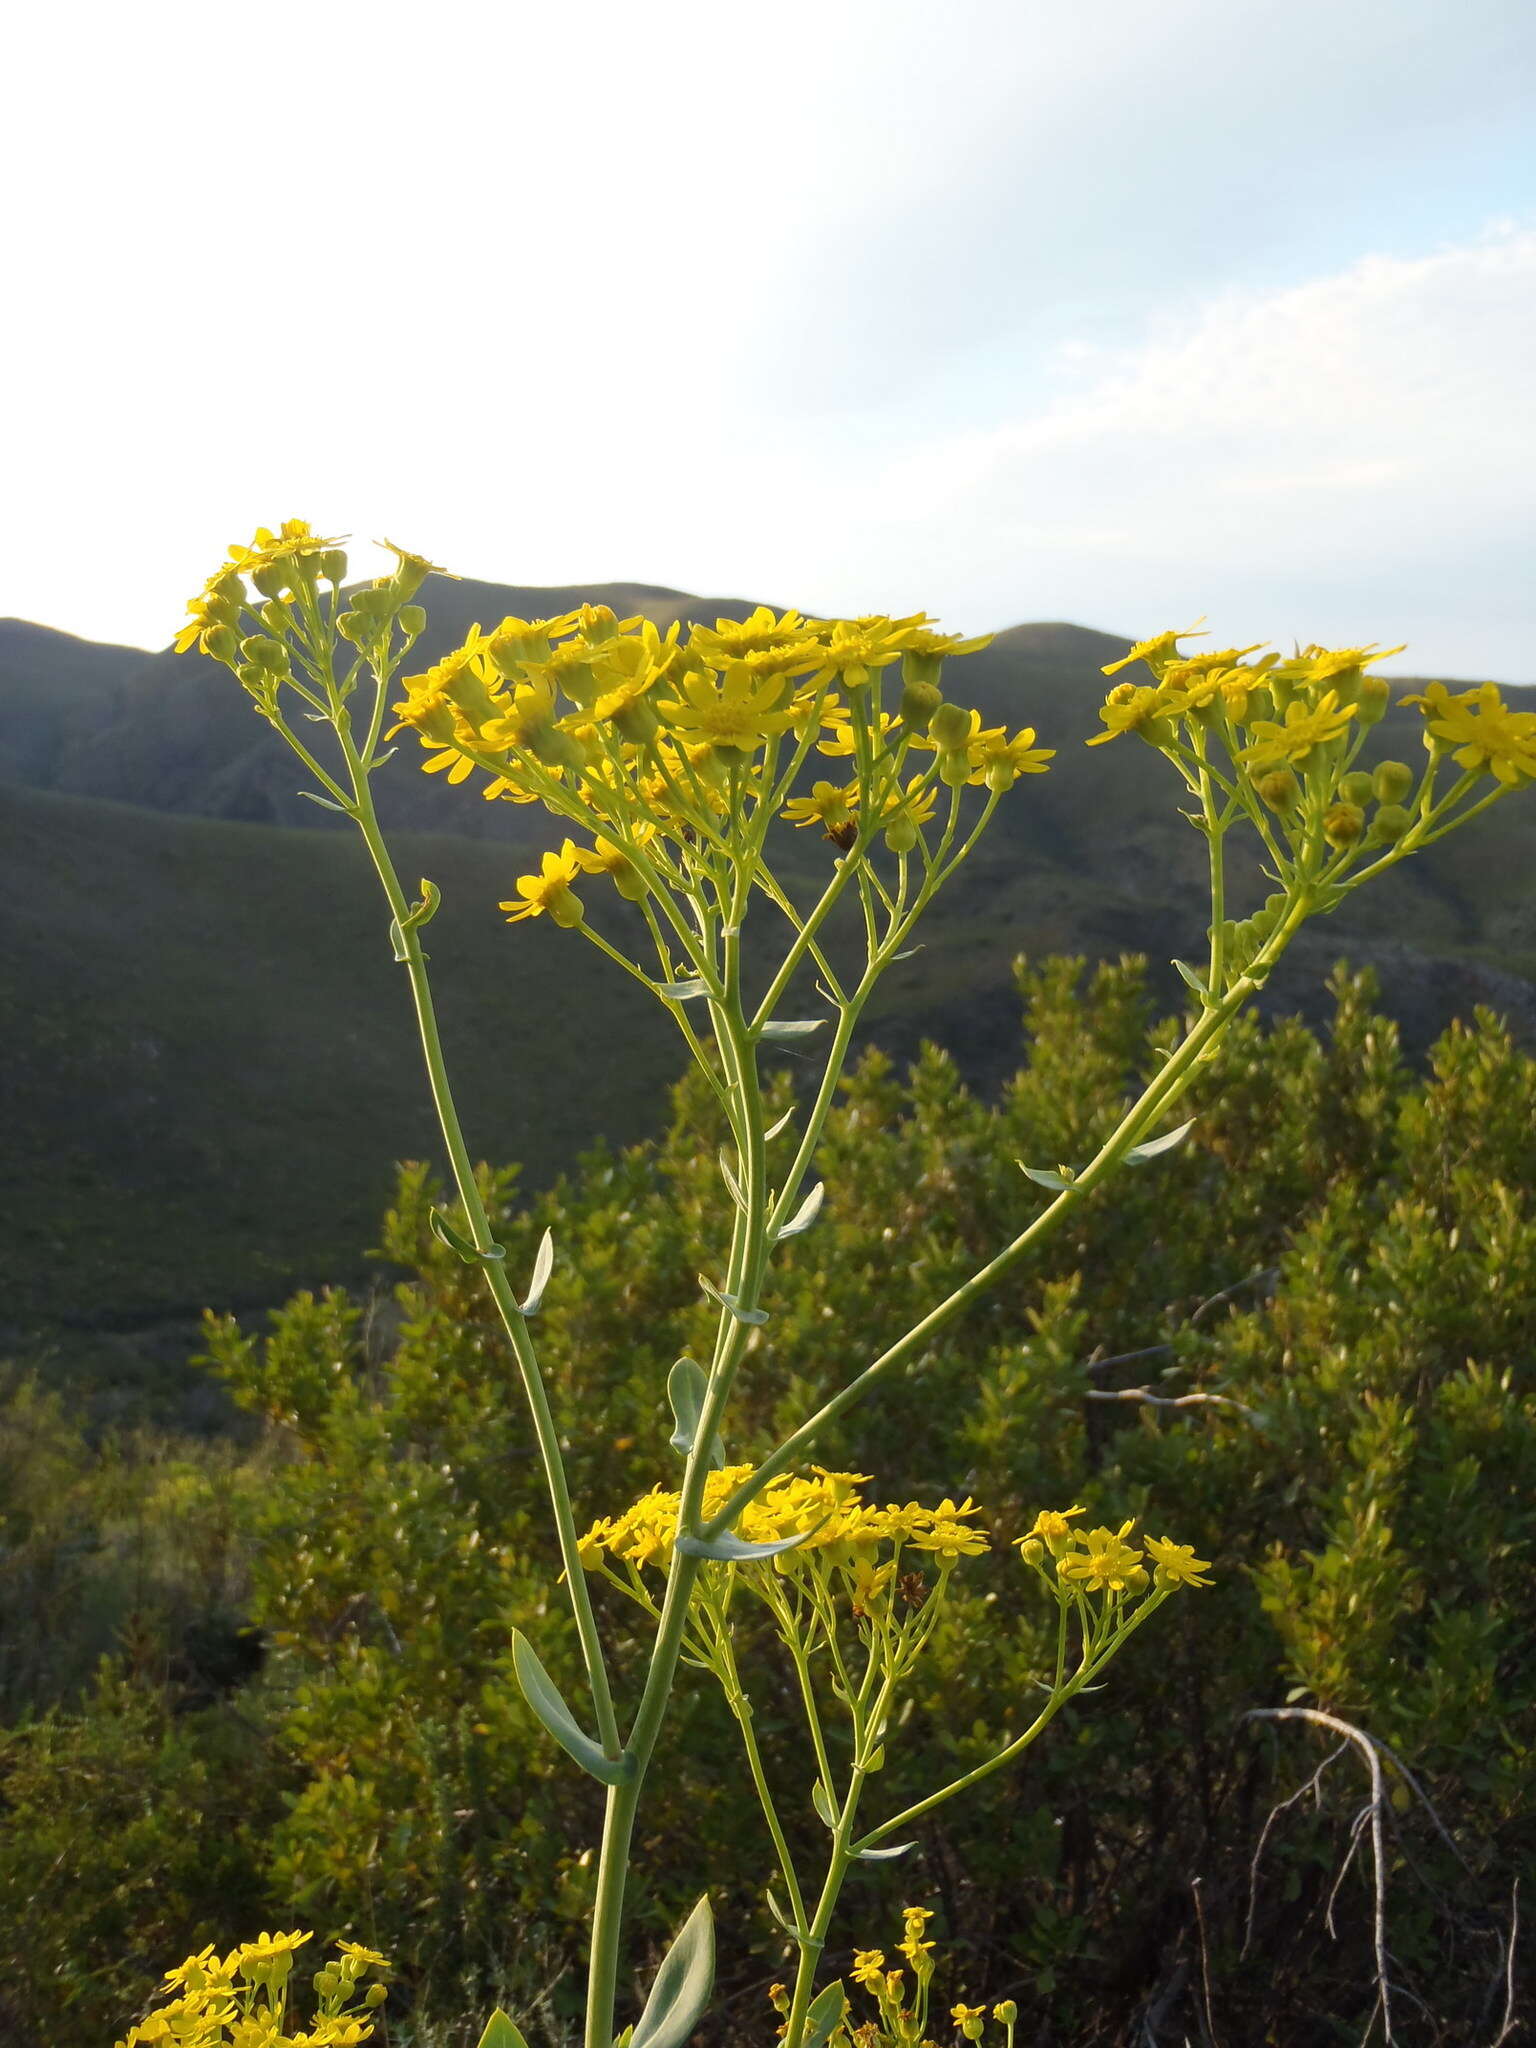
[[1163, 1089], [483, 1239]]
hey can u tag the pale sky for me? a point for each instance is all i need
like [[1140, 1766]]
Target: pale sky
[[1116, 314]]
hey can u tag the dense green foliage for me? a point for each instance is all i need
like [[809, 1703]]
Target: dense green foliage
[[1345, 1255]]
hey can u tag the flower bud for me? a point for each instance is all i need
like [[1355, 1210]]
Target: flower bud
[[1006, 2013], [271, 578], [637, 722], [230, 590], [557, 749], [274, 617], [1373, 694], [919, 701], [950, 725], [412, 620], [354, 627], [267, 654], [1279, 789], [223, 643], [1389, 824], [955, 768], [375, 1994], [1358, 788], [901, 834], [1343, 824], [377, 601], [333, 565], [1391, 782], [1263, 922]]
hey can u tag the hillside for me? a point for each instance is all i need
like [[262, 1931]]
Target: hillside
[[211, 1065]]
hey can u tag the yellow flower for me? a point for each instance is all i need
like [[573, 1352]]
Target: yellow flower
[[826, 805], [970, 2019], [520, 643], [1175, 1564], [268, 1948], [1325, 663], [739, 713], [1107, 1562], [1485, 733], [730, 639], [915, 805], [868, 1967], [1127, 708], [946, 1534], [856, 648], [1305, 727], [549, 890], [1159, 653], [604, 858], [919, 1953], [1002, 761], [1051, 1528], [927, 651], [840, 743], [868, 1585]]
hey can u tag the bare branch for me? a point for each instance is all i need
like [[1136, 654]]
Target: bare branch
[[1370, 1816], [1148, 1399]]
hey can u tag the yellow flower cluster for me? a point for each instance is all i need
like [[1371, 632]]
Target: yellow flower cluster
[[1102, 1561], [241, 2000], [1283, 714], [826, 1510], [649, 742]]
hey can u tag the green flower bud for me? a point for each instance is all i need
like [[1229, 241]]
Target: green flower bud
[[271, 579], [1279, 789], [1358, 788], [1389, 824], [223, 643], [1373, 695], [257, 680], [1391, 782], [333, 565], [955, 769], [230, 590], [901, 836], [267, 654], [412, 620], [375, 1994], [1263, 922], [1343, 824], [950, 725], [637, 722], [919, 701], [377, 601], [274, 617], [354, 627], [556, 749], [1006, 2013]]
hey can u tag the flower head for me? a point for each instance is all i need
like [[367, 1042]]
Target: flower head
[[1175, 1564], [1159, 653], [549, 890], [1106, 1563], [1052, 1527], [739, 712], [1305, 726], [1484, 732]]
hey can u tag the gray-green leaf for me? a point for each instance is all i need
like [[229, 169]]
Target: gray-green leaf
[[807, 1212], [729, 1549], [682, 991], [683, 1984], [790, 1033], [826, 2009], [885, 1855], [1044, 1176], [543, 1696], [687, 1385], [731, 1302], [1153, 1146], [500, 2032], [456, 1241], [1194, 977], [543, 1266]]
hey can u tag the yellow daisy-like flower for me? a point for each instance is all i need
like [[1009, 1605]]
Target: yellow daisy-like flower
[[368, 1957], [839, 743], [914, 805], [1159, 653], [729, 639], [739, 713], [970, 2019], [1107, 1563], [1052, 1527], [868, 1967], [1483, 730], [549, 890], [1324, 663], [1305, 727], [827, 805], [856, 649], [1001, 761], [1175, 1564], [927, 651], [1128, 708], [946, 1534]]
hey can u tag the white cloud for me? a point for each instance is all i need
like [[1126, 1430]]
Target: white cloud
[[1352, 455]]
